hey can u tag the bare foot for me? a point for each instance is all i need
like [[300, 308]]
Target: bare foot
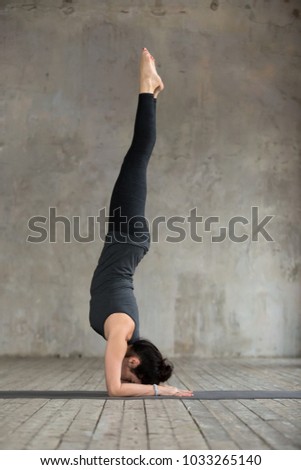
[[150, 81]]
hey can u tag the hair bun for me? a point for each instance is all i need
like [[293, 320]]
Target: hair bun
[[165, 370], [153, 367]]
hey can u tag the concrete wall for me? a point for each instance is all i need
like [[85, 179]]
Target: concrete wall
[[228, 140]]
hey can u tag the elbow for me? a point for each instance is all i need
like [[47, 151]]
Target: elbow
[[114, 392]]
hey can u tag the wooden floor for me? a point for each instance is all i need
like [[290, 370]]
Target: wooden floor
[[150, 424]]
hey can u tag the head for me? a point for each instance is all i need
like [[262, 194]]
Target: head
[[143, 363]]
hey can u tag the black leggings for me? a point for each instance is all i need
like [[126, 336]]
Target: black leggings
[[127, 206]]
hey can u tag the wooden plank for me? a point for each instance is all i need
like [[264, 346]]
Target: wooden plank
[[240, 374], [106, 434], [133, 433], [282, 422], [160, 433], [292, 405], [263, 429], [239, 432], [185, 429], [215, 436], [50, 433], [189, 375], [259, 408], [289, 431], [276, 409], [26, 422], [226, 378], [46, 373], [40, 368], [17, 414], [80, 432], [272, 373], [207, 375]]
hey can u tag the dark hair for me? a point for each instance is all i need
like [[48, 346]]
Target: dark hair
[[153, 368]]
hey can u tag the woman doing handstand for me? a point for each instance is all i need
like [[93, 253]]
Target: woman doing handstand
[[133, 366]]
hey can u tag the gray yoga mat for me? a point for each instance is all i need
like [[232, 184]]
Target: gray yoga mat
[[198, 395]]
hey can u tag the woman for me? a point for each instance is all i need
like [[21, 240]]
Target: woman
[[133, 367]]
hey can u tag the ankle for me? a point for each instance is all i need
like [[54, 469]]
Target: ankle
[[146, 87]]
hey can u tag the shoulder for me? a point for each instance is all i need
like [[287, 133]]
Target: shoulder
[[120, 324]]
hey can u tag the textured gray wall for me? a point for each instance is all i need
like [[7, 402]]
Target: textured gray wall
[[228, 140]]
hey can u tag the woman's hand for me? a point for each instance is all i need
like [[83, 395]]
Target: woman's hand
[[174, 391]]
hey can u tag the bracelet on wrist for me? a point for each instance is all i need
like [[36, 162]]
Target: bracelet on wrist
[[156, 390]]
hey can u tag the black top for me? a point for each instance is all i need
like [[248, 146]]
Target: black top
[[112, 283]]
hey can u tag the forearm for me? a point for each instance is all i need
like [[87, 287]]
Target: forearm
[[132, 390], [140, 390]]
